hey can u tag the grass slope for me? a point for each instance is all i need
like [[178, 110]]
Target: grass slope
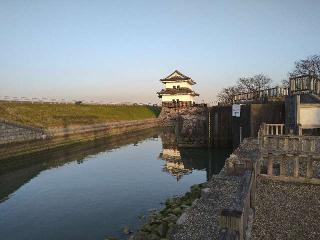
[[61, 115]]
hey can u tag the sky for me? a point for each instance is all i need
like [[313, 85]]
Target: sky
[[117, 50]]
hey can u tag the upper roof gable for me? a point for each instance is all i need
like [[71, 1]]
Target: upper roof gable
[[178, 76]]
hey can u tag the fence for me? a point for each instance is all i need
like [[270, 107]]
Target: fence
[[289, 157], [272, 129], [262, 94], [308, 83]]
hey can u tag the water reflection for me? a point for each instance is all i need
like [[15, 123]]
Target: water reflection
[[15, 172], [93, 190], [181, 161]]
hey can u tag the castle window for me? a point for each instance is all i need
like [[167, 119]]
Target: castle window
[[174, 87]]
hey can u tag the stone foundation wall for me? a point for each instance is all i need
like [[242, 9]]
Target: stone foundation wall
[[191, 124], [14, 132]]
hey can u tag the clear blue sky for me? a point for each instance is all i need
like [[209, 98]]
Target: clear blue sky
[[118, 50]]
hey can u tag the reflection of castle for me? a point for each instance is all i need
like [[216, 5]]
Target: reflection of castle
[[176, 169], [174, 164], [182, 161], [170, 153]]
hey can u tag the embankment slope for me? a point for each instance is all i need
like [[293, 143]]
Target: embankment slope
[[46, 115]]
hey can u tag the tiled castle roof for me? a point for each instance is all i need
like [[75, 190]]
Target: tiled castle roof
[[177, 76]]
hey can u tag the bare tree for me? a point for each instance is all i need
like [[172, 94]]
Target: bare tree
[[226, 94], [244, 85], [255, 83], [310, 65], [285, 83]]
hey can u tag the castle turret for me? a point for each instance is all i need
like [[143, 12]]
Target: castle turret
[[178, 90]]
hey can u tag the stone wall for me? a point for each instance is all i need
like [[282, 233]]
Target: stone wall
[[14, 132], [226, 204], [191, 124]]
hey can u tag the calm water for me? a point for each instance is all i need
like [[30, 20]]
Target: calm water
[[92, 191]]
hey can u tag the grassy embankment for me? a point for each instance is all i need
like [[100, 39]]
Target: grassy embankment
[[47, 115], [63, 115]]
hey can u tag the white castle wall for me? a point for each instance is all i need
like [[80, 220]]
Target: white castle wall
[[181, 84], [182, 98]]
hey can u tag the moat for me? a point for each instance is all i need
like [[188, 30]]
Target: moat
[[94, 190]]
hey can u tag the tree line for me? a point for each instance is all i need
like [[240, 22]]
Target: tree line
[[310, 65]]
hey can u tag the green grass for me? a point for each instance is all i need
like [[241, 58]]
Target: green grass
[[61, 115]]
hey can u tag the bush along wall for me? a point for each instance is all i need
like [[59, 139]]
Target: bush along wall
[[161, 224]]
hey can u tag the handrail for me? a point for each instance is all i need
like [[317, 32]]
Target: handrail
[[273, 129], [308, 83], [297, 84], [286, 149], [265, 93]]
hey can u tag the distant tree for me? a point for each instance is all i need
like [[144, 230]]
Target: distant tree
[[245, 84], [226, 94], [255, 83], [307, 66], [285, 83]]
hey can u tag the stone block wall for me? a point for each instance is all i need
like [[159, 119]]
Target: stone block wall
[[191, 124], [14, 132]]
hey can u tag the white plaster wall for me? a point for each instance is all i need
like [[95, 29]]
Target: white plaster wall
[[181, 84], [309, 116], [182, 98]]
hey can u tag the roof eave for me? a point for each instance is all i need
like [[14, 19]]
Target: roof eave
[[163, 80]]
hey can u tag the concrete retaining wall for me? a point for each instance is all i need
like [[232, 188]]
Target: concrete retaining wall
[[14, 132], [105, 129]]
